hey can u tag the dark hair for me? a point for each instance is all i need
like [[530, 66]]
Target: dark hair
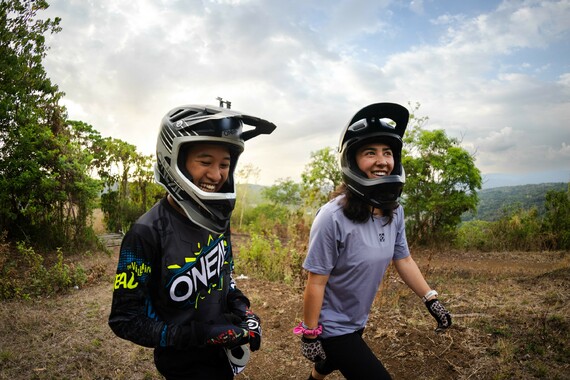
[[354, 208]]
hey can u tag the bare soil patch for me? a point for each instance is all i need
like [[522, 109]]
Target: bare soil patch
[[511, 321]]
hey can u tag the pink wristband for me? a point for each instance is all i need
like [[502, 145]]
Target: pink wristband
[[302, 330]]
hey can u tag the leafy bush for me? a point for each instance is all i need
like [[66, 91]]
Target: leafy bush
[[520, 230], [516, 230], [275, 251], [475, 234], [264, 256], [24, 273], [119, 215], [262, 217], [556, 224]]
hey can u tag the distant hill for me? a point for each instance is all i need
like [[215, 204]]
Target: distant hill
[[493, 201], [254, 195]]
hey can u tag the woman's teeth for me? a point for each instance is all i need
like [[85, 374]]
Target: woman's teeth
[[207, 187]]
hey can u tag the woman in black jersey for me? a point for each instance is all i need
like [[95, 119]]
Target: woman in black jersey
[[173, 288]]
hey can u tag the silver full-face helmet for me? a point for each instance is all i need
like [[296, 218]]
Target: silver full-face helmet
[[379, 122], [189, 124]]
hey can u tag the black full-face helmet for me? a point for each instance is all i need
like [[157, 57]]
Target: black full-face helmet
[[189, 124], [379, 122]]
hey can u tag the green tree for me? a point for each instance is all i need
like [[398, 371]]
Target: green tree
[[24, 88], [115, 161], [556, 222], [144, 190], [441, 183], [90, 141], [285, 192], [320, 177], [127, 176], [44, 191]]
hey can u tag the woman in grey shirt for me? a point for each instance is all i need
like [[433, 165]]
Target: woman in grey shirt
[[353, 239]]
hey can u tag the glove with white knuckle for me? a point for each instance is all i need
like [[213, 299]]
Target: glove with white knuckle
[[239, 307], [254, 326]]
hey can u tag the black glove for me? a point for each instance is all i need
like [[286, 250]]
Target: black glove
[[227, 335], [440, 314], [254, 326], [229, 331], [313, 349], [239, 306], [238, 303]]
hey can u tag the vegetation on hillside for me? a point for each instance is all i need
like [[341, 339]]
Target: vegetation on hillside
[[494, 202]]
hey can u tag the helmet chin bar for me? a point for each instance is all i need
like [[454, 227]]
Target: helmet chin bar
[[216, 225], [381, 193], [382, 201]]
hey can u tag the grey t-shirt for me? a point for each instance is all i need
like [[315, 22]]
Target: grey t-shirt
[[355, 256]]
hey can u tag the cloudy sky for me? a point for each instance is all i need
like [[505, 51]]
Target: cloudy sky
[[495, 74]]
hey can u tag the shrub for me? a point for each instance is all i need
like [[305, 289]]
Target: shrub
[[475, 234], [263, 256], [25, 275], [275, 251], [516, 230]]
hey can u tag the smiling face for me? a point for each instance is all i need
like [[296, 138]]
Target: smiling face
[[209, 165], [375, 160]]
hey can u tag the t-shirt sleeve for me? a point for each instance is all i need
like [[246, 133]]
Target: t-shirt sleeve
[[401, 249], [323, 244]]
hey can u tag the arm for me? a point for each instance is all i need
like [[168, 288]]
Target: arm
[[311, 346], [313, 299], [132, 304], [237, 302], [411, 275], [238, 305]]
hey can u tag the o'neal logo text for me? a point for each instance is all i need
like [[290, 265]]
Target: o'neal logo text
[[136, 270], [198, 275]]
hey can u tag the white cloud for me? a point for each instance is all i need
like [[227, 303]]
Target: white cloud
[[417, 6], [309, 66], [499, 141], [562, 153]]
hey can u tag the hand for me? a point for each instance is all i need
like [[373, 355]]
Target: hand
[[254, 326], [313, 349], [227, 335], [440, 314]]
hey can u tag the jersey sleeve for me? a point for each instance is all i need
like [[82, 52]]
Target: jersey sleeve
[[132, 315], [237, 302]]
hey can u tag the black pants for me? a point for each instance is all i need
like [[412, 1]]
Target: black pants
[[207, 363], [352, 357]]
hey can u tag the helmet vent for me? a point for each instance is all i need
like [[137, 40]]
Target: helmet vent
[[181, 114]]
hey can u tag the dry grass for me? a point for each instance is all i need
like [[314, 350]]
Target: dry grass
[[511, 321]]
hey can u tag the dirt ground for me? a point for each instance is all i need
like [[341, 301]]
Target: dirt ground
[[511, 315]]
